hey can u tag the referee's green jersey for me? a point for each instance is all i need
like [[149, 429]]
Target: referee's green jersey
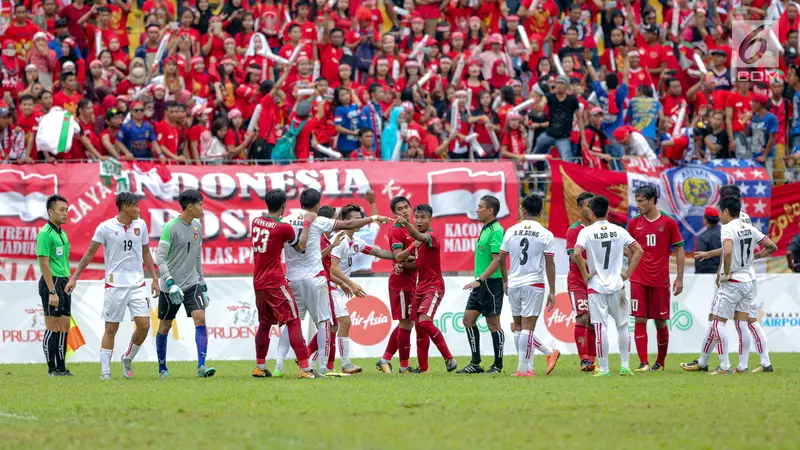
[[52, 242], [488, 243]]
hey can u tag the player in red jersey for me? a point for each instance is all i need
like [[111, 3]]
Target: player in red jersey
[[658, 234], [402, 283], [430, 286], [576, 286], [274, 299]]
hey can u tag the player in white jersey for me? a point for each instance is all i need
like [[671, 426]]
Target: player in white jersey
[[305, 272], [605, 245], [756, 332], [125, 248], [736, 294], [530, 247], [341, 266]]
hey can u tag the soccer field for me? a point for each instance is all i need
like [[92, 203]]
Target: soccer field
[[566, 409]]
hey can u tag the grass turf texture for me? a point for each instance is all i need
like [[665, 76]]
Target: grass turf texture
[[566, 409]]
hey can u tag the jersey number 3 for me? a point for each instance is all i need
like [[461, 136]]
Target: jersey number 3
[[523, 258], [260, 238]]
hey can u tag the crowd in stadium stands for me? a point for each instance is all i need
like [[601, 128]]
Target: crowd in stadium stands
[[413, 79]]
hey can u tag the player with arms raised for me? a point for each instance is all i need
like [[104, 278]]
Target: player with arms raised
[[605, 245], [274, 299], [181, 280], [531, 248], [658, 234], [430, 286], [125, 249], [576, 286]]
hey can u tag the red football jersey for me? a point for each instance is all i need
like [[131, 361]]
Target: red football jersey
[[324, 242], [429, 266], [657, 239], [400, 239], [269, 235], [575, 280]]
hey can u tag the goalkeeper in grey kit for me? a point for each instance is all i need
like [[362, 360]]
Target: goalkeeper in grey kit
[[181, 278]]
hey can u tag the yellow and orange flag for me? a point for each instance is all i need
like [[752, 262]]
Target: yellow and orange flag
[[74, 338]]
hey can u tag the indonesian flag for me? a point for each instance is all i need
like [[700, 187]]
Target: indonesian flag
[[25, 195], [74, 338], [458, 191], [56, 131], [154, 177]]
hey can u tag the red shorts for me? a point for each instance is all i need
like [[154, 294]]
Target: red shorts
[[580, 302], [401, 302], [427, 302], [650, 302], [276, 305]]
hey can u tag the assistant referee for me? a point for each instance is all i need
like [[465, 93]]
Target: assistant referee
[[52, 250], [486, 297]]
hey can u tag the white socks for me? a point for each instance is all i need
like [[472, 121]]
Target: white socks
[[516, 340], [624, 342], [719, 335], [601, 342], [323, 342], [708, 345], [537, 344], [744, 343], [525, 350], [344, 350], [283, 348], [105, 360], [133, 349], [760, 340]]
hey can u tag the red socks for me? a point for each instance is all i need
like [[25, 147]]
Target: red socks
[[423, 344], [403, 345], [436, 336], [640, 336], [391, 346], [580, 341], [591, 345], [262, 342], [312, 345], [662, 338], [332, 353], [297, 342]]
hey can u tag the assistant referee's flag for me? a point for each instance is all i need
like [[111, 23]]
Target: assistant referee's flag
[[74, 338]]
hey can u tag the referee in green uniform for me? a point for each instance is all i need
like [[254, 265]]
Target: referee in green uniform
[[486, 297], [52, 250]]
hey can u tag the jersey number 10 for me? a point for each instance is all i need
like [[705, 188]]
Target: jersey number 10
[[651, 240]]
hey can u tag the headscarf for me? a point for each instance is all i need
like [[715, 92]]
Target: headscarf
[[199, 82], [10, 63], [498, 81], [391, 135]]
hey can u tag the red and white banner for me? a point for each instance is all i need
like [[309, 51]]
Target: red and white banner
[[784, 220], [232, 198]]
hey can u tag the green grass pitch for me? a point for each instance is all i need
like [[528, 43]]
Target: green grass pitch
[[566, 409]]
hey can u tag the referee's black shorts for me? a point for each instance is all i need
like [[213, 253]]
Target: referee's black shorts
[[487, 299], [64, 308]]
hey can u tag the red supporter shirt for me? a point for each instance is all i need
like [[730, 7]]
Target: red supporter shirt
[[515, 142], [429, 265], [168, 136], [638, 78], [303, 141], [739, 103], [119, 24], [22, 35], [67, 102], [657, 239], [575, 281], [268, 236], [672, 107], [400, 239]]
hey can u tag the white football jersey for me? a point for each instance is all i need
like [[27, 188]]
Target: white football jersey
[[605, 244], [745, 238], [744, 217], [346, 252], [122, 251], [527, 243], [308, 264]]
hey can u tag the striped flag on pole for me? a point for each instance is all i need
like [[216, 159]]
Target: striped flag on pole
[[74, 338]]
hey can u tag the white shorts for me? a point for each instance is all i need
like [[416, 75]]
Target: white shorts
[[732, 297], [526, 301], [339, 304], [615, 306], [117, 299], [312, 295]]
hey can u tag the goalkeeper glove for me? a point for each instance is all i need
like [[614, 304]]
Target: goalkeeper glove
[[206, 299], [174, 291]]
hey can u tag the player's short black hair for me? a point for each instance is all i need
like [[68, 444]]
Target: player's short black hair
[[713, 220], [508, 94], [612, 80], [532, 205], [66, 75], [572, 28], [648, 191], [732, 204], [363, 131], [310, 198], [397, 200], [189, 197], [424, 208], [275, 199], [583, 196], [492, 203], [53, 199], [373, 88], [292, 27], [347, 209], [599, 206], [26, 97], [730, 190], [173, 104], [327, 211], [266, 86], [126, 199], [646, 91]]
